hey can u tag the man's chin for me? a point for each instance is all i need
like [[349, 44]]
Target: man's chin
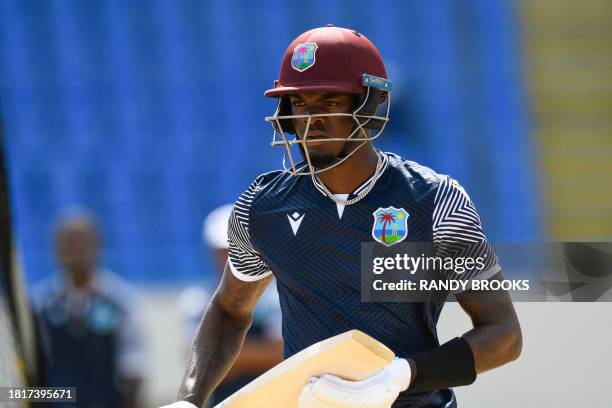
[[319, 158]]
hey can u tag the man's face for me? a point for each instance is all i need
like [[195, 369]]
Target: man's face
[[321, 152], [76, 248]]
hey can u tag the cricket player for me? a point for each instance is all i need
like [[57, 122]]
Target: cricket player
[[305, 225]]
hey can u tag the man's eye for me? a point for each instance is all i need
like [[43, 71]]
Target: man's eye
[[298, 104], [331, 103]]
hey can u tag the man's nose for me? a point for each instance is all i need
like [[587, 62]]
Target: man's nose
[[317, 120]]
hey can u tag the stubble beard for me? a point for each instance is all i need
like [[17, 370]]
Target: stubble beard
[[318, 158]]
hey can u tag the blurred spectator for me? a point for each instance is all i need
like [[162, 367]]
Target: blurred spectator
[[263, 346], [90, 336]]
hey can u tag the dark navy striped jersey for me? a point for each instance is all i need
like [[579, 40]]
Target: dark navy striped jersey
[[287, 226]]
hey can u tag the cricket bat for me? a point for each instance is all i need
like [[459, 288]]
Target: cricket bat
[[352, 355]]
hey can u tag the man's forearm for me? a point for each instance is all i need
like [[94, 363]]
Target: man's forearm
[[214, 349], [256, 357], [495, 340], [494, 345]]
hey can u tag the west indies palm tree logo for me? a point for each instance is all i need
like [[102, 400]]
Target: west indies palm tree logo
[[303, 56], [390, 225]]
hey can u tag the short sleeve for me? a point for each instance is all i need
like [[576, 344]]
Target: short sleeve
[[458, 234], [244, 261]]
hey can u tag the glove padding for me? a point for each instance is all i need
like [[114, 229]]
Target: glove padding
[[180, 404], [377, 391]]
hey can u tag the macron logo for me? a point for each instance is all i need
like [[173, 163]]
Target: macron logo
[[295, 220]]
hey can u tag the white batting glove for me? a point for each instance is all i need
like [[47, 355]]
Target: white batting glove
[[180, 404], [377, 391]]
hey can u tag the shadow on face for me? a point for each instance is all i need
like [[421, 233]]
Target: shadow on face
[[321, 151]]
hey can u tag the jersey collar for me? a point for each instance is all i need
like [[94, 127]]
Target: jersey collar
[[385, 164]]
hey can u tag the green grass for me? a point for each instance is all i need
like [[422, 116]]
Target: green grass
[[389, 239]]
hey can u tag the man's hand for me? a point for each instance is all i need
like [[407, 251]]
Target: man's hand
[[377, 391], [180, 404]]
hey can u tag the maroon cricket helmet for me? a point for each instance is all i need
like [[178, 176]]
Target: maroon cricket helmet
[[328, 59]]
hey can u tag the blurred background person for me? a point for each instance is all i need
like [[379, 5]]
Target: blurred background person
[[263, 346], [89, 330]]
